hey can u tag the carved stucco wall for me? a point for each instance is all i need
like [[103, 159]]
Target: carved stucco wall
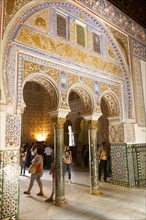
[[37, 35], [36, 38], [140, 109], [104, 8]]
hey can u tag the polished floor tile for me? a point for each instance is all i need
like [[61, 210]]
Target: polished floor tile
[[114, 203]]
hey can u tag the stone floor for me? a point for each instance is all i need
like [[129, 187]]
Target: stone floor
[[115, 202]]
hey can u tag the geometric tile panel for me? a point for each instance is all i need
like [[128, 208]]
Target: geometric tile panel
[[139, 157], [119, 164], [9, 188], [128, 164]]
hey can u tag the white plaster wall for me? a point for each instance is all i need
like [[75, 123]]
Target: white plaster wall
[[140, 134], [143, 73]]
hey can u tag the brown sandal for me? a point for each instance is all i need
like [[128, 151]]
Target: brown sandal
[[49, 200], [26, 193], [40, 194]]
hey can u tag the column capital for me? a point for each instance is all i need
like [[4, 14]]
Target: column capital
[[60, 113], [92, 124], [92, 117], [59, 122]]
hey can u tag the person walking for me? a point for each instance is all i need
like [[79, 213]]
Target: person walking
[[48, 152], [23, 154], [103, 161], [37, 162], [67, 161]]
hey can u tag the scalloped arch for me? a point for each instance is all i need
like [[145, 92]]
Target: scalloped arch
[[86, 97], [49, 87], [112, 104]]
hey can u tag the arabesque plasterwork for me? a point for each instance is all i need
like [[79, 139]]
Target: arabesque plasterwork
[[63, 100], [39, 41], [129, 133], [116, 132], [32, 67], [72, 79], [13, 131], [106, 86], [40, 20], [139, 91], [11, 8], [104, 8], [111, 53], [122, 41]]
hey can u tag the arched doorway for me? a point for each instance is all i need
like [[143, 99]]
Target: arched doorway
[[80, 103], [103, 123], [111, 113], [36, 122]]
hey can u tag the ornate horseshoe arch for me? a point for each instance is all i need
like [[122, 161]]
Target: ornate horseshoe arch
[[86, 97], [113, 105], [49, 86]]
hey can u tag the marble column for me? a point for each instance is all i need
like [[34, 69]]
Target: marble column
[[59, 183], [93, 159]]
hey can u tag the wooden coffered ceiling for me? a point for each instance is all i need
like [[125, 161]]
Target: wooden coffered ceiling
[[136, 9]]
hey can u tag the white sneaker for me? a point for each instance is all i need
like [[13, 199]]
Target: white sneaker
[[69, 181]]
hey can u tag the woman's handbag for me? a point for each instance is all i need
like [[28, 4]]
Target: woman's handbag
[[32, 168]]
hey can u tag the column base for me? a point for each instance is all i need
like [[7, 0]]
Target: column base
[[95, 192], [60, 203]]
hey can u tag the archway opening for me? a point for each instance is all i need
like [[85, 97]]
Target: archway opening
[[36, 122], [79, 128], [103, 123], [110, 109]]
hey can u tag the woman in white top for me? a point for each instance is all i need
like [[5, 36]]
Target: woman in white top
[[67, 161]]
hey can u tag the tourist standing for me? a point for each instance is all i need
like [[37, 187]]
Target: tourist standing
[[67, 161]]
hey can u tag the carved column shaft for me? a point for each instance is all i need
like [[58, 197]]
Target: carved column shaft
[[59, 183], [92, 132]]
